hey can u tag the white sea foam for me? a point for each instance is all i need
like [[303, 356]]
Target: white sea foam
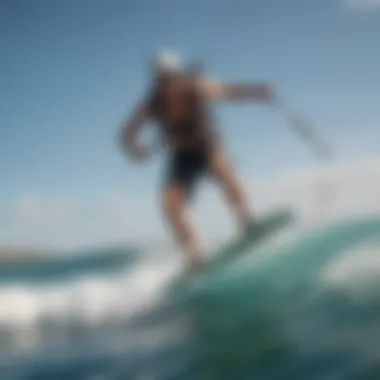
[[88, 301], [355, 271], [112, 300]]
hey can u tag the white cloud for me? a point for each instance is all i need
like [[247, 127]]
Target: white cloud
[[363, 5], [350, 187], [40, 210], [43, 222], [316, 193]]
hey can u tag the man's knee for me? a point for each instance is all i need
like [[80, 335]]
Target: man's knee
[[174, 209], [173, 202], [221, 167], [225, 174]]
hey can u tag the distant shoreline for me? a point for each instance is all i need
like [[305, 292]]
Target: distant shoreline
[[9, 255]]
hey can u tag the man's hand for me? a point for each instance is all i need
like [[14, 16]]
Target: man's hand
[[266, 93], [129, 132], [140, 154]]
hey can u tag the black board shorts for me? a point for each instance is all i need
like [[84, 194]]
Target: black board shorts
[[186, 167]]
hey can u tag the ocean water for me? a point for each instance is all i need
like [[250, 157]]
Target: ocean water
[[304, 304]]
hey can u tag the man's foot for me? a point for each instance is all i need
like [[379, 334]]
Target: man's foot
[[195, 264], [247, 224], [250, 226]]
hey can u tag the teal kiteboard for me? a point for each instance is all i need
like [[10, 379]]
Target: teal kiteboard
[[258, 231]]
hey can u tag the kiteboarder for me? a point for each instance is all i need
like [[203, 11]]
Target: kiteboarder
[[178, 103]]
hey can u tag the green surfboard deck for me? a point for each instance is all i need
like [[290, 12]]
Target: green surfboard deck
[[258, 231]]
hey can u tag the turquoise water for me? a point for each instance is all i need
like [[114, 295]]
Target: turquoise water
[[301, 305], [66, 265]]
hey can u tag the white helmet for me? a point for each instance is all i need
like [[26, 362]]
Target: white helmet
[[167, 63]]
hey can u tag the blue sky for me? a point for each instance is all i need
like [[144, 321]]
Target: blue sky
[[72, 70]]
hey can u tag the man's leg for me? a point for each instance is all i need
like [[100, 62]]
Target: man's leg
[[224, 173], [175, 209]]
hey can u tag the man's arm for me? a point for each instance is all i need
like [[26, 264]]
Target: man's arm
[[130, 130], [213, 90]]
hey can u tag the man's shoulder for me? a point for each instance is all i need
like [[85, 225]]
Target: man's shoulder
[[206, 86]]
